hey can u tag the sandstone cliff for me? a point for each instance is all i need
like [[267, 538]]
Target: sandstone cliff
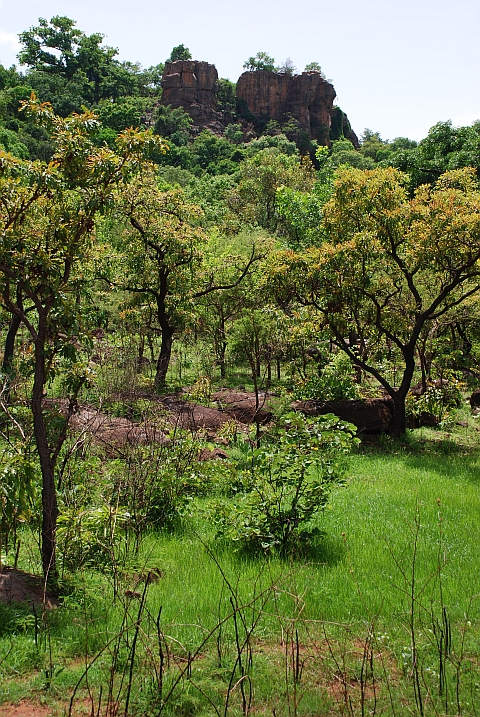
[[307, 97], [192, 85], [261, 96]]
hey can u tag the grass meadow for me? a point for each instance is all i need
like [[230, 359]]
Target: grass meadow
[[381, 615]]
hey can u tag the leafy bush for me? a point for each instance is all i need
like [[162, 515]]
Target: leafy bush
[[89, 536], [440, 396], [288, 483], [335, 382], [201, 390]]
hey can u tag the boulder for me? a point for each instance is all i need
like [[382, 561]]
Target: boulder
[[475, 399], [373, 415], [242, 406], [211, 455]]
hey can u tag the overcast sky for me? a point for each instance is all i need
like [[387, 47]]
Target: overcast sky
[[397, 67]]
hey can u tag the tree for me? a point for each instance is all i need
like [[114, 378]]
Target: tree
[[70, 68], [314, 67], [219, 309], [173, 123], [254, 199], [164, 259], [226, 96], [288, 68], [180, 52], [343, 152], [51, 46], [47, 217], [261, 61], [445, 148], [391, 266]]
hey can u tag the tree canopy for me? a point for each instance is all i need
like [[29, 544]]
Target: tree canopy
[[261, 61], [390, 266]]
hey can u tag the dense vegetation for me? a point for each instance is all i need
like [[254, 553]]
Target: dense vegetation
[[148, 273]]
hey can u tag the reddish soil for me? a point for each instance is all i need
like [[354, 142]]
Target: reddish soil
[[242, 406], [29, 708], [18, 586], [25, 708], [113, 433]]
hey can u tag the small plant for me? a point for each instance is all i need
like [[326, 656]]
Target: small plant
[[89, 536], [201, 390], [228, 431], [289, 482]]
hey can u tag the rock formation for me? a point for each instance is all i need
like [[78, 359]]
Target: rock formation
[[308, 98], [192, 85]]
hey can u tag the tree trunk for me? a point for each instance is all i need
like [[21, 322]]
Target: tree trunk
[[8, 354], [164, 356], [399, 421], [222, 348], [49, 498]]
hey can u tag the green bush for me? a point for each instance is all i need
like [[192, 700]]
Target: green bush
[[335, 383], [287, 484], [439, 398]]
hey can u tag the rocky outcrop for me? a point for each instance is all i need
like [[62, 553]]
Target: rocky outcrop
[[372, 415], [308, 98], [475, 399], [192, 85]]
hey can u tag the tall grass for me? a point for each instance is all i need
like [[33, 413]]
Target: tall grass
[[332, 628]]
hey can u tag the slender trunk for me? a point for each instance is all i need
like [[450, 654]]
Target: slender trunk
[[8, 354], [222, 348], [9, 350], [141, 350], [423, 368], [49, 498], [279, 375], [399, 423], [163, 360]]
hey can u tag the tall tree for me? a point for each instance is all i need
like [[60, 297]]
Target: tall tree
[[164, 249], [391, 266], [47, 219]]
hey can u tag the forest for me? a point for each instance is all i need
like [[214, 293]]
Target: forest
[[239, 401]]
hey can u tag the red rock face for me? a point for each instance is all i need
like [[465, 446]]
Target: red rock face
[[264, 93], [186, 82], [192, 85], [306, 97]]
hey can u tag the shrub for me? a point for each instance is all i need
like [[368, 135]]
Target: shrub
[[288, 483], [335, 383], [440, 396]]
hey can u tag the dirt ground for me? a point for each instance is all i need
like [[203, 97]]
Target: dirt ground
[[25, 708], [113, 433]]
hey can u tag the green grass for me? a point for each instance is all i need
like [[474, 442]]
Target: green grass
[[353, 582]]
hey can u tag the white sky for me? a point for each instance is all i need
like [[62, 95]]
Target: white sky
[[398, 68]]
